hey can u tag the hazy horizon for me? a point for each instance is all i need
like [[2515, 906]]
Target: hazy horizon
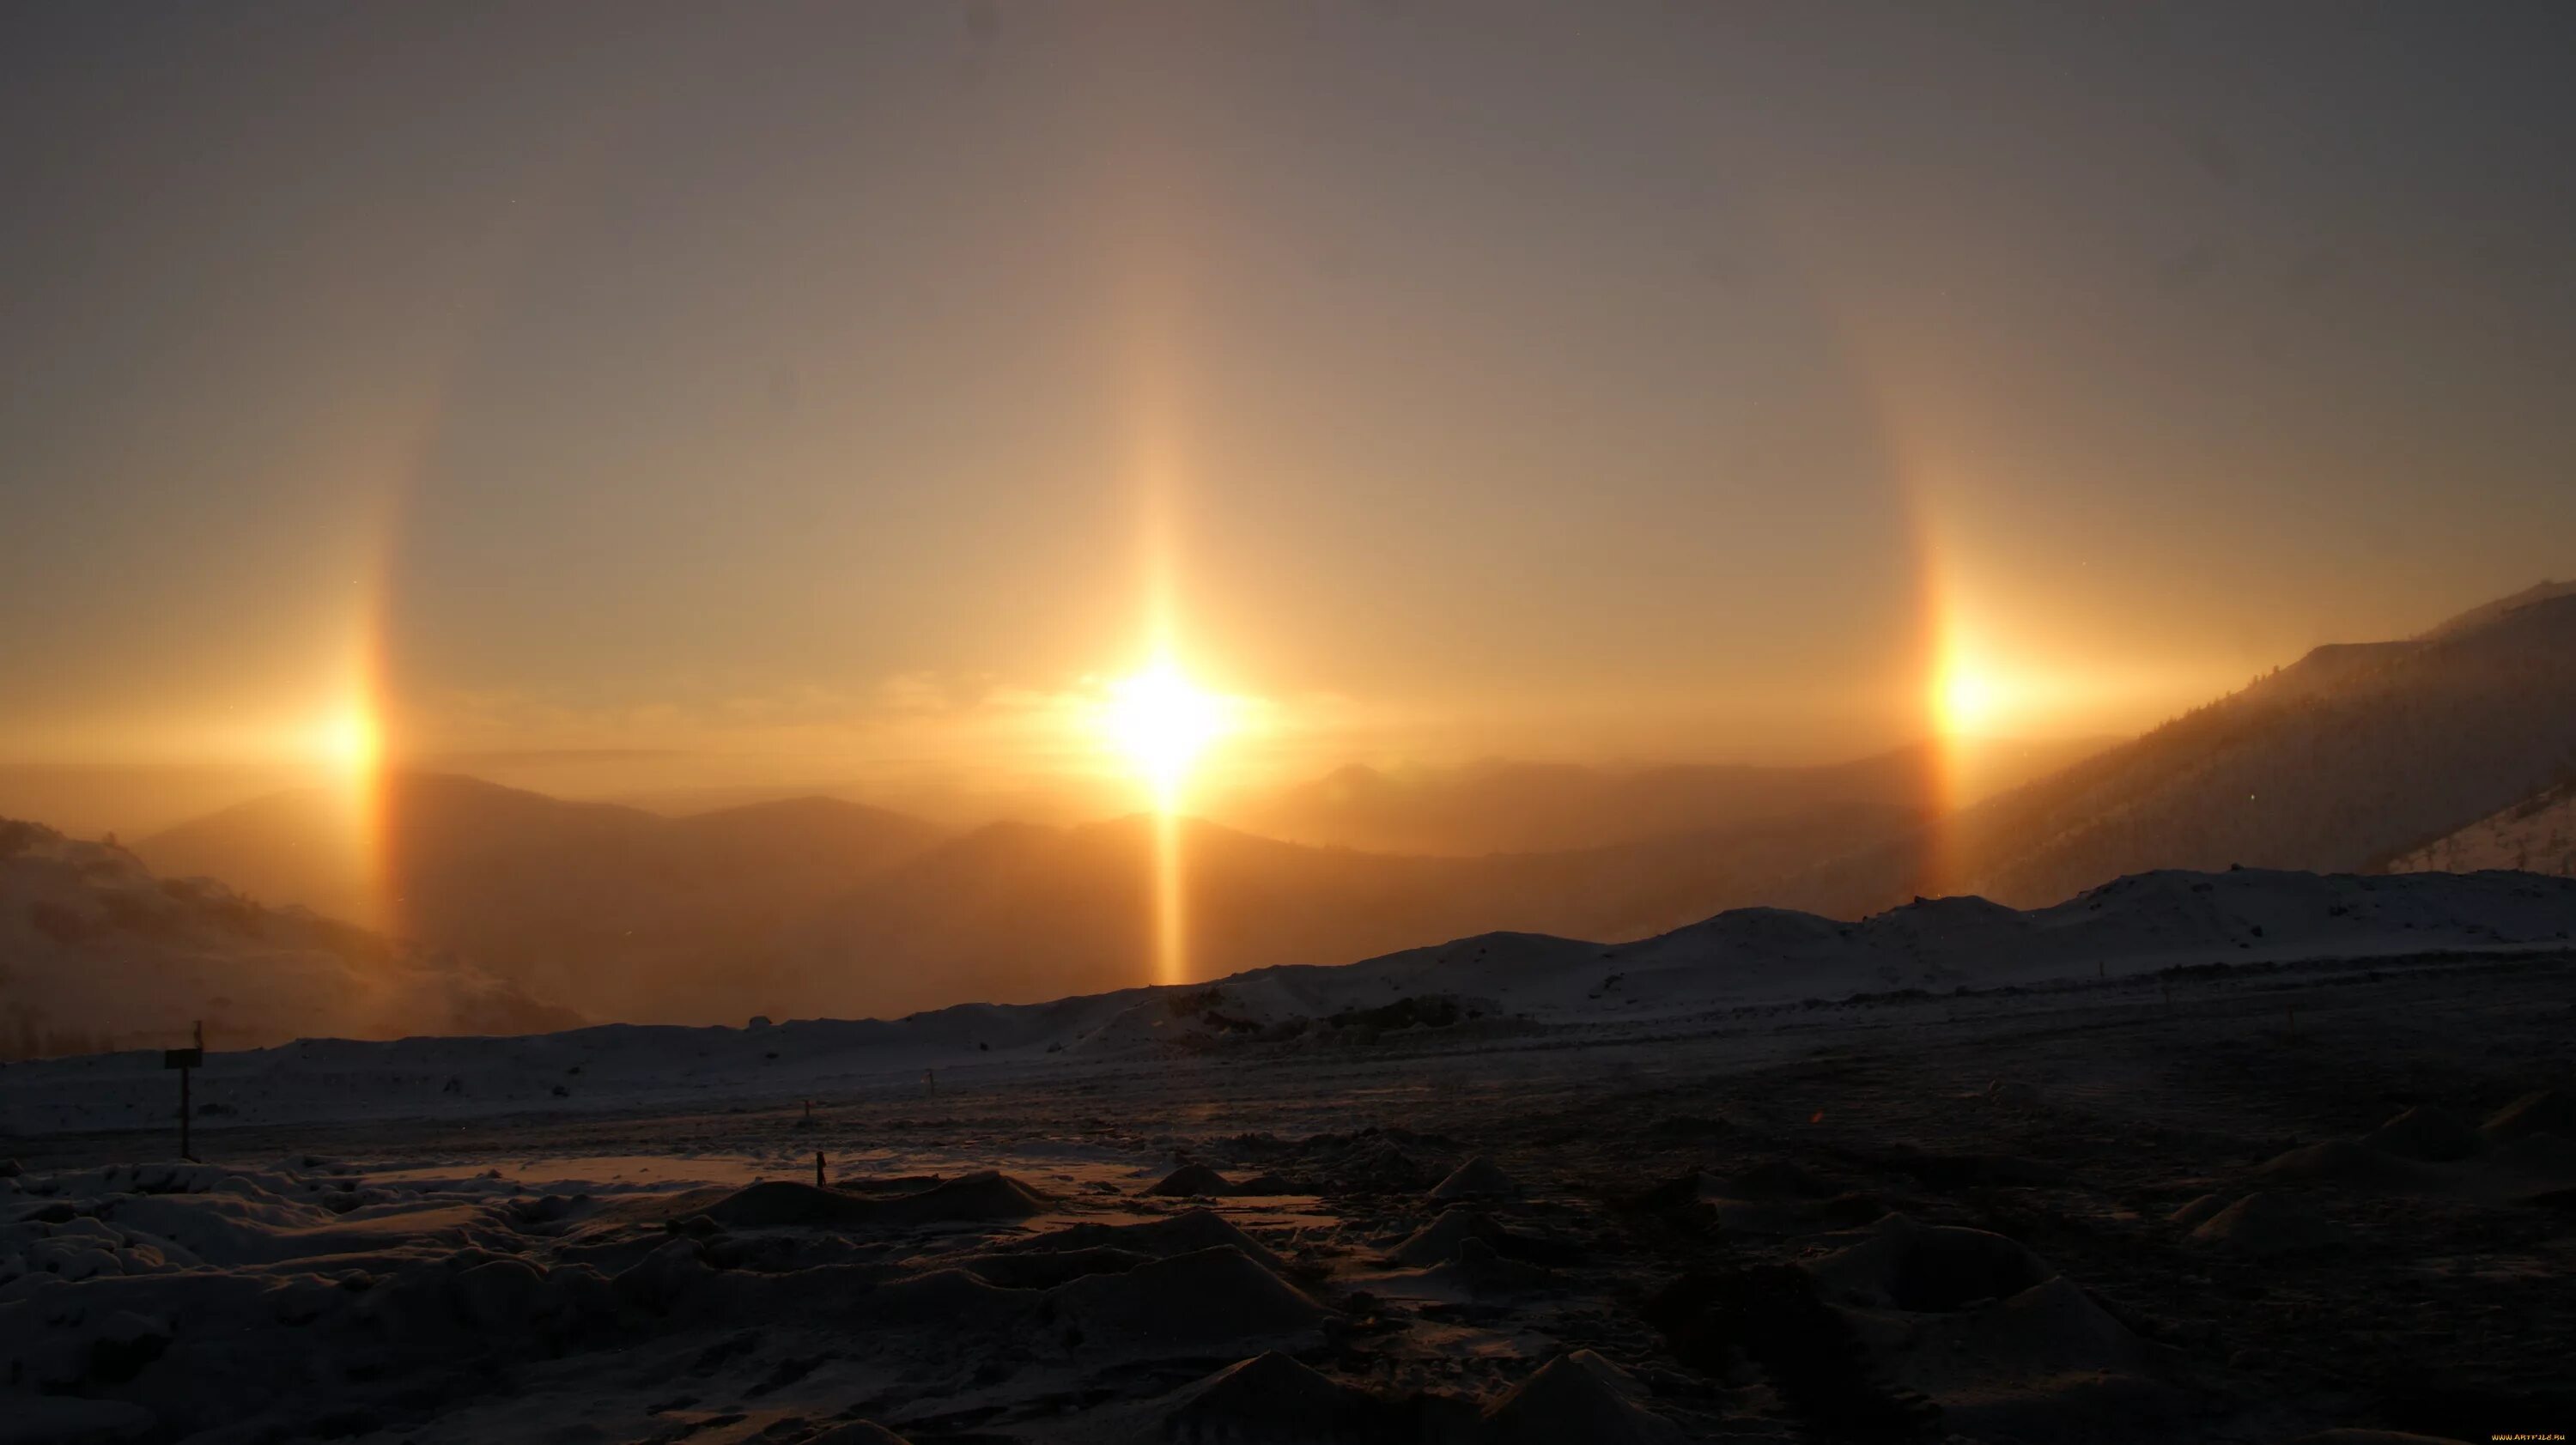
[[129, 802], [90, 799]]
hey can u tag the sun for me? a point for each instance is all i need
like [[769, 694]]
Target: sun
[[1163, 722], [1968, 700], [352, 741]]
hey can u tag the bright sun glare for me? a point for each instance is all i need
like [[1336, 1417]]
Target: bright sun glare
[[1968, 700], [1163, 721], [351, 741]]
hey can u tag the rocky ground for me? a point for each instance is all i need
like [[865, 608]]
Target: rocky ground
[[2243, 1205]]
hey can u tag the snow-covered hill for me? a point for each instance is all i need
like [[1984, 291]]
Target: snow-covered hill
[[1481, 988], [2537, 835]]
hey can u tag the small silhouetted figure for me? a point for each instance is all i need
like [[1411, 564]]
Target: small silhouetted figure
[[930, 1081], [818, 1168]]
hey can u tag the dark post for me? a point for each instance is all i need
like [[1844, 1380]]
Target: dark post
[[818, 1169], [185, 1060]]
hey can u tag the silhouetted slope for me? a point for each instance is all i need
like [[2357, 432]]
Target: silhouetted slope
[[2536, 835], [589, 901], [2336, 763], [2487, 614], [1016, 912], [804, 848], [814, 905], [1517, 807], [96, 953]]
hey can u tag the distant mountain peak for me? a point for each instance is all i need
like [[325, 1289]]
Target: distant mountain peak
[[2487, 614]]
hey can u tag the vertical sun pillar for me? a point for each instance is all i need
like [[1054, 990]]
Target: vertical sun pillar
[[1163, 723], [1171, 921], [353, 749]]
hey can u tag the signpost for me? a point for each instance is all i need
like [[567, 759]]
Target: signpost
[[185, 1060]]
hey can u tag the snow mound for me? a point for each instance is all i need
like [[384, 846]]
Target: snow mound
[[776, 1203], [1478, 1178], [1047, 1268], [2267, 1223], [974, 1198], [1476, 1270], [1929, 1268], [1191, 1180], [1439, 1240], [2429, 1134], [1577, 1396], [2051, 1328], [1210, 1299], [2543, 1111], [2351, 1164], [2198, 1211], [1270, 1399], [662, 1280]]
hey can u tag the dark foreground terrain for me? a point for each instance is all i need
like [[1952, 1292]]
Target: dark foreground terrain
[[2243, 1205]]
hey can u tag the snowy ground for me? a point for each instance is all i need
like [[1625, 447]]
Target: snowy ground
[[2193, 1191]]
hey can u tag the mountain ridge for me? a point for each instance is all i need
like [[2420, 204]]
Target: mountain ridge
[[94, 950], [2334, 763], [1498, 805], [584, 901]]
